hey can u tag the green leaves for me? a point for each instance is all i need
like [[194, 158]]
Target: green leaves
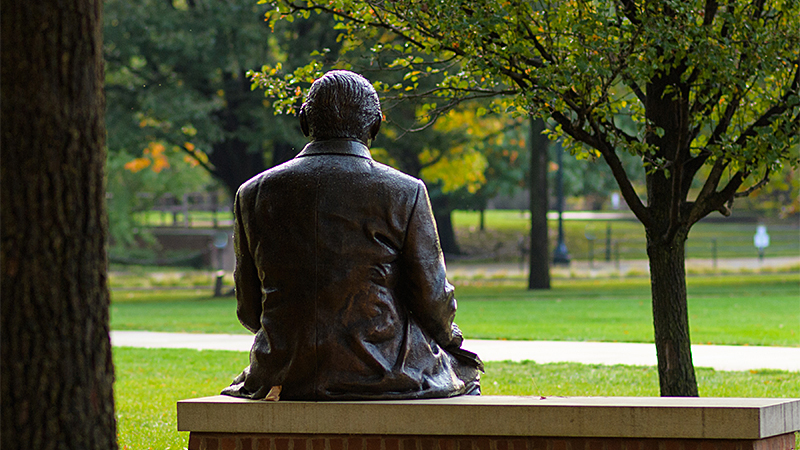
[[683, 84]]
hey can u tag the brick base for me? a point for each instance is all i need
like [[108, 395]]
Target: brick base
[[248, 441]]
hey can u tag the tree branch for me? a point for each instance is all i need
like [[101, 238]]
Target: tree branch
[[721, 200], [611, 158], [637, 90], [777, 109], [471, 94], [682, 153], [726, 195], [701, 206], [209, 168], [315, 7], [539, 47], [629, 9], [754, 187], [709, 12], [723, 124], [708, 200], [691, 167], [758, 8]]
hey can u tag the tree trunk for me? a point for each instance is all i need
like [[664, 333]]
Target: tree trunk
[[667, 108], [671, 316], [234, 164], [282, 152], [57, 376], [443, 215], [539, 274]]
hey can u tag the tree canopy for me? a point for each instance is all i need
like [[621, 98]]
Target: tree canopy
[[705, 94], [729, 72], [175, 79]]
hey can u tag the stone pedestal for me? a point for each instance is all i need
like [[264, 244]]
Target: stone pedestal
[[493, 423]]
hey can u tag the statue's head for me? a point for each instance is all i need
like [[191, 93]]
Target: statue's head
[[341, 104]]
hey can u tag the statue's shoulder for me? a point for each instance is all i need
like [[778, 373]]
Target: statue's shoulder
[[391, 175], [251, 186]]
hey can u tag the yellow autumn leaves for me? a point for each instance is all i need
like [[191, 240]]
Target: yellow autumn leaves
[[155, 157]]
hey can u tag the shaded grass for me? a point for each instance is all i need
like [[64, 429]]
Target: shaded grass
[[151, 381], [736, 310]]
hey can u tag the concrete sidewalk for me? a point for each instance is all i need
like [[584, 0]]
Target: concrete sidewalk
[[718, 357]]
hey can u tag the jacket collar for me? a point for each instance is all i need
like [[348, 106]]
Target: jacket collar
[[336, 147]]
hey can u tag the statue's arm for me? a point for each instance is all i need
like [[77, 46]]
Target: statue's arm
[[248, 285], [431, 298]]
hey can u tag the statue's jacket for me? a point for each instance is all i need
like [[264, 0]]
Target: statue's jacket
[[340, 275]]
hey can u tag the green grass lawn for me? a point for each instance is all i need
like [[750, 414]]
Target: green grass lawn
[[743, 310], [150, 382], [186, 311], [746, 309], [751, 309]]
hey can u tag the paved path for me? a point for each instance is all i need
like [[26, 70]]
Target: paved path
[[719, 357]]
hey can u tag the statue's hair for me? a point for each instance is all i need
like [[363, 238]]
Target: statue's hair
[[341, 104]]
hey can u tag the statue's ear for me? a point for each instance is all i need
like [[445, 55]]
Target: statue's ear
[[303, 121], [374, 129]]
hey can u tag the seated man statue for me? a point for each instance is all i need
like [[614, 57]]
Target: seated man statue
[[339, 272]]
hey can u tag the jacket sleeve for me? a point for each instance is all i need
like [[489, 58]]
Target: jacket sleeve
[[248, 285], [430, 297]]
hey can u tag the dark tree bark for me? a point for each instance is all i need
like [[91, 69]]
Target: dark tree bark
[[539, 274], [282, 152], [671, 317], [443, 215], [57, 371], [234, 163], [667, 229]]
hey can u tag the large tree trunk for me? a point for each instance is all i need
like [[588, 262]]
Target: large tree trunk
[[57, 370], [539, 274], [671, 316]]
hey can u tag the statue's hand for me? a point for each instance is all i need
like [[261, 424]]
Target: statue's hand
[[236, 389], [456, 337], [241, 377]]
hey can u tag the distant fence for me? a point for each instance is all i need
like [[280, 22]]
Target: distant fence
[[730, 241], [199, 209], [707, 240]]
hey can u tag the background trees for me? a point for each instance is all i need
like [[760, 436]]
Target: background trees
[[710, 90], [176, 80], [179, 98], [181, 115], [57, 371]]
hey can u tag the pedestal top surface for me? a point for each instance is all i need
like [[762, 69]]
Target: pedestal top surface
[[671, 417]]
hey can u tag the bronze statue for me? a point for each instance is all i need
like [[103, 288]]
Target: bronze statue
[[339, 272]]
